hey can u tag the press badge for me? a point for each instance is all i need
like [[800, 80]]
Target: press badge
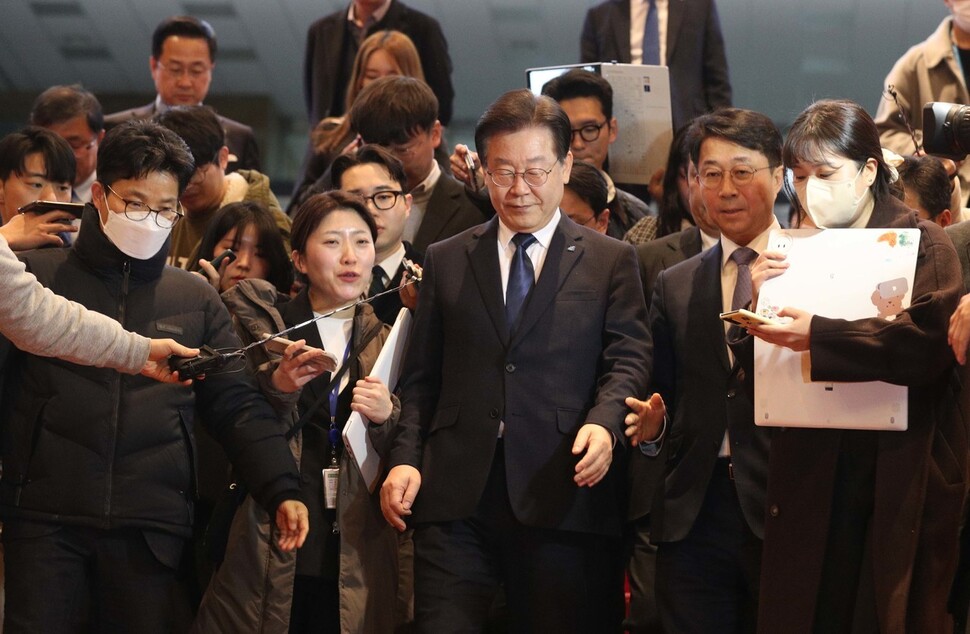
[[331, 476]]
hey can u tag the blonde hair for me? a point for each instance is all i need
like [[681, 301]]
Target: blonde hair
[[331, 131]]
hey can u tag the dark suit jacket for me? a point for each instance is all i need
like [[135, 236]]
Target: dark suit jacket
[[388, 306], [581, 347], [239, 137], [695, 52], [324, 45], [705, 396], [449, 211], [654, 257]]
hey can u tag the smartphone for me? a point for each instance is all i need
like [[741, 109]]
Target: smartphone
[[228, 254], [43, 206], [746, 319]]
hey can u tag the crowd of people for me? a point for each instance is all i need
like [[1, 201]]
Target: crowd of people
[[572, 444]]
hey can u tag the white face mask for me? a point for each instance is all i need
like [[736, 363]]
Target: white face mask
[[137, 239], [961, 14], [833, 204]]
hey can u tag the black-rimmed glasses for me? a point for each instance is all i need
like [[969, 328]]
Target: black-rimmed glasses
[[384, 200], [166, 217], [588, 133]]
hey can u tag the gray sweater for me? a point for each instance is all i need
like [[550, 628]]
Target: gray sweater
[[39, 322]]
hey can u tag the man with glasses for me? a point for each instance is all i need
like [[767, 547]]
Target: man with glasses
[[375, 174], [210, 188], [99, 474], [508, 457], [709, 519], [587, 99], [401, 114], [75, 115], [182, 61]]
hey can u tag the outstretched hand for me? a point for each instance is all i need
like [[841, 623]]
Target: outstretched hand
[[644, 422], [157, 365], [293, 523]]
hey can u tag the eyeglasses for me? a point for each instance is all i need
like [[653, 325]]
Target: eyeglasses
[[385, 200], [588, 133], [166, 217], [712, 178], [194, 72], [533, 177]]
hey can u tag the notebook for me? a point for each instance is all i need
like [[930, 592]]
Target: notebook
[[838, 273]]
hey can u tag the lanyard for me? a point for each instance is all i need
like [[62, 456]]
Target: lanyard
[[334, 433]]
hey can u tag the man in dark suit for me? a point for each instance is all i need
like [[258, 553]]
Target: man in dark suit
[[654, 257], [182, 61], [374, 174], [709, 517], [332, 44], [691, 46], [533, 333], [401, 114]]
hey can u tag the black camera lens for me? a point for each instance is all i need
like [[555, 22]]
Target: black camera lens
[[946, 130]]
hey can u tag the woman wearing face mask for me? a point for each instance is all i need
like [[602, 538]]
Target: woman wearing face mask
[[861, 528], [350, 575]]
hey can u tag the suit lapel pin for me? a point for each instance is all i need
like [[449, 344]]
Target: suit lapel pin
[[572, 248]]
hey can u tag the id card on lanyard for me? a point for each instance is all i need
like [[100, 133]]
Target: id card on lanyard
[[331, 474]]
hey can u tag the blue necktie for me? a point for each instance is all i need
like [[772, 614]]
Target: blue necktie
[[522, 277], [651, 36]]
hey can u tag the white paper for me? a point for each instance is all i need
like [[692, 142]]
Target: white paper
[[387, 368], [843, 274]]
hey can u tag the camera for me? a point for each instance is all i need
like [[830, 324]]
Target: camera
[[946, 130]]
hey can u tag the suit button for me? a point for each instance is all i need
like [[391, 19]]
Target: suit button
[[510, 367], [493, 413], [731, 393], [773, 510]]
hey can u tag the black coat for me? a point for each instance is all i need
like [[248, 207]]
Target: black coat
[[90, 446]]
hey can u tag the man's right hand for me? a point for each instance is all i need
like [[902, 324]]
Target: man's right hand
[[31, 231], [472, 179], [157, 365], [645, 420], [398, 493]]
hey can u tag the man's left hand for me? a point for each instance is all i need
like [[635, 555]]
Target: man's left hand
[[597, 442]]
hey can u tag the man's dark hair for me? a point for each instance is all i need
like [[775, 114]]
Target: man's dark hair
[[58, 155], [369, 154], [520, 109], [391, 110], [588, 183], [239, 216], [317, 207], [58, 104], [746, 128], [184, 26], [581, 83], [199, 127], [926, 177], [134, 149]]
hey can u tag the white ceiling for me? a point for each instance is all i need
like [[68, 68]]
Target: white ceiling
[[781, 54]]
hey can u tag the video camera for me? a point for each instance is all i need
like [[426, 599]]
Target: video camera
[[946, 130]]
